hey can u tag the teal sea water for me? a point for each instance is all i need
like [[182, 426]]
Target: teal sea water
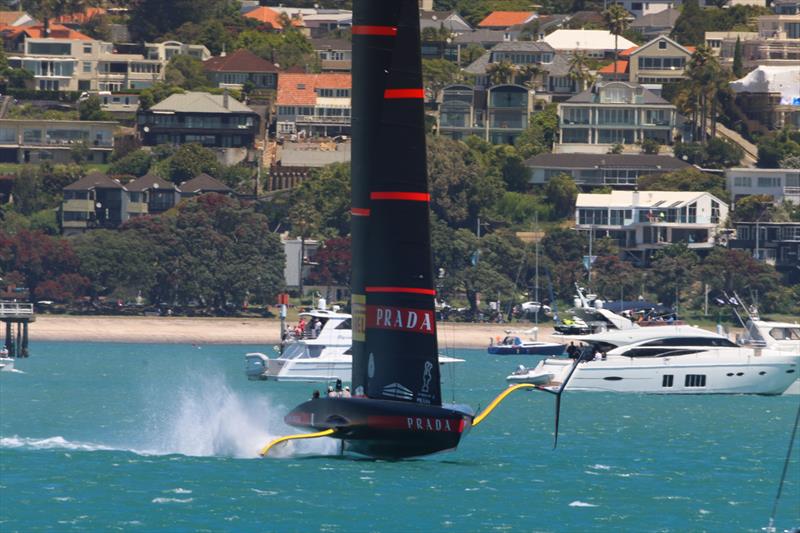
[[135, 437]]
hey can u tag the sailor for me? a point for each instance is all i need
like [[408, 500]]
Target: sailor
[[572, 351], [331, 394], [346, 393], [338, 392], [317, 327], [315, 395]]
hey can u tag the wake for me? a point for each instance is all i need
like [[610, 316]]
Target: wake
[[202, 418]]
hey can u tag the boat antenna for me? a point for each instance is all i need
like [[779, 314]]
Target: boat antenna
[[771, 527]]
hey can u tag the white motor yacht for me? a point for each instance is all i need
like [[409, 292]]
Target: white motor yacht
[[313, 358], [780, 336], [669, 360]]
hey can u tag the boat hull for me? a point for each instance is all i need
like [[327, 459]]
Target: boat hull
[[728, 374], [6, 364], [385, 429], [545, 349]]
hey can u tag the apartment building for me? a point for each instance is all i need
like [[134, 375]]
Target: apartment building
[[94, 201], [620, 171], [781, 184], [498, 114], [313, 105], [643, 222], [213, 120], [35, 141], [777, 243], [78, 63], [612, 113]]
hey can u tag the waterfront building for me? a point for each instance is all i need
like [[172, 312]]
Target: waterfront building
[[36, 141], [613, 113], [643, 222], [780, 184]]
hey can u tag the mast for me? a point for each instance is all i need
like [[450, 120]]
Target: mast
[[394, 331]]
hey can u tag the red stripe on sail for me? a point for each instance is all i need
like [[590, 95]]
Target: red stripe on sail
[[394, 94], [386, 31], [410, 196], [405, 290], [359, 212]]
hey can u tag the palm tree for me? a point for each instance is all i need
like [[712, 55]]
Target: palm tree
[[531, 74], [501, 72], [616, 20], [579, 70], [706, 79]]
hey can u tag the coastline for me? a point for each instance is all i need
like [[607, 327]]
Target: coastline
[[185, 330]]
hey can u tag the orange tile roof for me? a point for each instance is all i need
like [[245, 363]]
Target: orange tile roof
[[691, 49], [10, 17], [57, 31], [629, 51], [504, 19], [81, 17], [270, 17], [622, 68], [300, 89]]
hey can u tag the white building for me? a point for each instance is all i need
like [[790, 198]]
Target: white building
[[779, 183], [644, 221], [594, 43]]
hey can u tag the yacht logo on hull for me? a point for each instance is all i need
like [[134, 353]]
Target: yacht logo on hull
[[396, 390], [400, 319]]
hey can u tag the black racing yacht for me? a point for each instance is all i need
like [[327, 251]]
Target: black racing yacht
[[396, 409]]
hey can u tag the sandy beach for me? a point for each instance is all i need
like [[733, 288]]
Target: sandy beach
[[223, 330]]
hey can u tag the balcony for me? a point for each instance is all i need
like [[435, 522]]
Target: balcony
[[78, 206], [315, 119]]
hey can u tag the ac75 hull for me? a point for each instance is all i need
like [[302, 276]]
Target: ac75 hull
[[385, 429]]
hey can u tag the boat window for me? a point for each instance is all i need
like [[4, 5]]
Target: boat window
[[293, 351], [695, 380], [691, 341], [785, 334], [667, 380], [657, 352], [345, 325], [313, 351]]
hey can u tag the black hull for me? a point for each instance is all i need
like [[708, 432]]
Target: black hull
[[384, 429]]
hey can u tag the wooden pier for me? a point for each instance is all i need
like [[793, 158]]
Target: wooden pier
[[20, 315]]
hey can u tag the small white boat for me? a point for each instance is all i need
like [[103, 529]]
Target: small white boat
[[313, 358], [6, 362]]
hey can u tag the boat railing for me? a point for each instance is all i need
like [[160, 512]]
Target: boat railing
[[15, 310]]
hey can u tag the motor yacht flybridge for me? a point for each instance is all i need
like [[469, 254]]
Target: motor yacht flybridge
[[396, 410]]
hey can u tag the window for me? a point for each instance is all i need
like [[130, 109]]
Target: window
[[576, 115], [617, 115], [662, 45], [661, 63], [769, 182], [742, 181], [792, 30], [667, 380], [87, 48], [659, 117], [714, 212], [695, 380], [593, 216], [50, 49], [692, 213]]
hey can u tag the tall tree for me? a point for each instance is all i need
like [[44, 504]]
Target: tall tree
[[738, 68], [579, 70], [616, 21], [501, 72], [689, 28]]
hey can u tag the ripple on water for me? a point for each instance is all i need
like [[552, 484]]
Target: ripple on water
[[172, 500], [578, 503]]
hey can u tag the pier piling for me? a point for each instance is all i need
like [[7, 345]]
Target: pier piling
[[19, 314]]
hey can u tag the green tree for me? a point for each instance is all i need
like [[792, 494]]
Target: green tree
[[136, 163], [689, 28], [614, 278], [736, 270], [320, 206], [89, 109], [153, 95], [438, 74], [540, 134], [738, 67], [561, 192], [460, 188], [716, 153], [152, 19], [186, 72], [752, 208], [190, 160], [672, 272], [579, 70], [46, 10], [501, 72], [616, 22]]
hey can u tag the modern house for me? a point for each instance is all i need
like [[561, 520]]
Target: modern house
[[639, 9], [619, 171], [152, 194], [777, 243], [202, 184], [240, 68], [661, 60], [770, 95], [335, 55], [655, 24], [643, 222], [498, 114], [70, 61], [214, 120], [781, 184], [94, 201], [313, 105], [778, 41], [613, 113], [34, 140]]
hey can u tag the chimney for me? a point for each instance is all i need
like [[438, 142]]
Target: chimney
[[225, 97]]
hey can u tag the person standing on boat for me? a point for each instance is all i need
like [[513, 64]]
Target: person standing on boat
[[572, 351], [346, 393], [317, 325]]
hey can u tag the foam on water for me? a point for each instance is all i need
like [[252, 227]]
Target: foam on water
[[578, 503], [49, 443], [205, 417]]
